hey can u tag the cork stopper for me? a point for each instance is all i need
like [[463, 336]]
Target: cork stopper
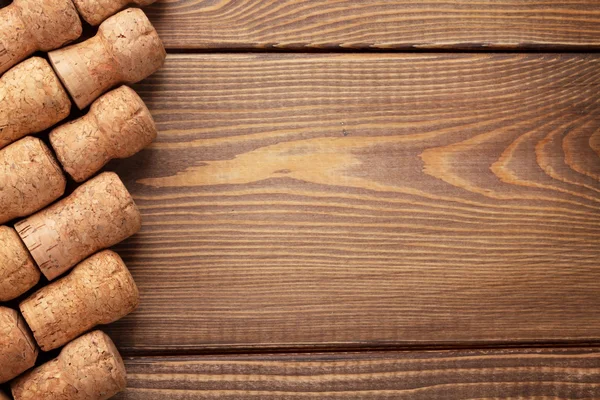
[[31, 99], [100, 290], [27, 26], [96, 11], [30, 178], [18, 351], [18, 272], [117, 126], [125, 50], [88, 368], [99, 214]]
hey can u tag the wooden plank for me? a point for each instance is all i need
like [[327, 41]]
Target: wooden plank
[[358, 200], [368, 24], [500, 374]]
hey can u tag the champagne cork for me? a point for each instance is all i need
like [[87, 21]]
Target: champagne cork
[[100, 290], [18, 351], [30, 178], [117, 126], [88, 368], [31, 99], [125, 50], [99, 214], [96, 11], [27, 26], [18, 272]]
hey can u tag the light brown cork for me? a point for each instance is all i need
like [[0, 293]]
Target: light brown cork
[[99, 214], [30, 178], [27, 26], [96, 11], [31, 99], [18, 272], [18, 351], [125, 50], [88, 368], [100, 290], [118, 125]]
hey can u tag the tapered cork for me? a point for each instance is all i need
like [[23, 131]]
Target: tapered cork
[[31, 99], [30, 178], [125, 50], [117, 126], [27, 26], [99, 214], [18, 272], [18, 351], [100, 290], [88, 368], [96, 11]]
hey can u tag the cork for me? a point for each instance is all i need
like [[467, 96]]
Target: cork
[[100, 290], [30, 178], [96, 11], [31, 99], [27, 26], [18, 351], [125, 50], [18, 272], [118, 125], [88, 368], [99, 214]]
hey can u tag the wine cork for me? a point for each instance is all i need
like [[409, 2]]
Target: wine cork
[[88, 368], [31, 99], [99, 214], [100, 290], [30, 178], [117, 126], [27, 26], [18, 351], [125, 50], [18, 272], [96, 11]]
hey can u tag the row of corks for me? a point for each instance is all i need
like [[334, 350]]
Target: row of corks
[[73, 233]]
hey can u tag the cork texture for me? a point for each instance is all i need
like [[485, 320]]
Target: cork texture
[[100, 290], [30, 178], [88, 368], [96, 11], [18, 272], [27, 26], [31, 99], [18, 351], [118, 125], [125, 50], [99, 214]]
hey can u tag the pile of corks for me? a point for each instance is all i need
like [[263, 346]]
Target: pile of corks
[[74, 232]]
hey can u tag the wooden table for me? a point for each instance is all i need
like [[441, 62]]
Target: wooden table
[[368, 200]]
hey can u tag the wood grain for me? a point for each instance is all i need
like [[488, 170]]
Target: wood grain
[[509, 374], [355, 200], [368, 24]]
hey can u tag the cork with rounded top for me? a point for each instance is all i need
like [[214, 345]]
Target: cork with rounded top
[[18, 351], [88, 368], [31, 99], [30, 178], [118, 125], [96, 11], [125, 50], [67, 308], [27, 26], [99, 214], [18, 272]]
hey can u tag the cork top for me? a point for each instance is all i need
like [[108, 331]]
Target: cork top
[[96, 11], [52, 23], [18, 272], [18, 351]]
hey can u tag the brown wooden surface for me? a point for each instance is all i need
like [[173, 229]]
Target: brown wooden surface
[[366, 200], [510, 374], [381, 24]]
